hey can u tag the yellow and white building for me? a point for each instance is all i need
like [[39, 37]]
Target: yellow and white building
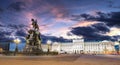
[[79, 46]]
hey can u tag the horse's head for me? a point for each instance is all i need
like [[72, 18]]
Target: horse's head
[[30, 31]]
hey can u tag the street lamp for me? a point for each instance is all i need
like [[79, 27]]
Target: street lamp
[[16, 41], [49, 43], [1, 50]]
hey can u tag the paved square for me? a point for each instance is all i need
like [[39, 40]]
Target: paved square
[[60, 60]]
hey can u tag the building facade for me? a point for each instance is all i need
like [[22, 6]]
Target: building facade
[[78, 46]]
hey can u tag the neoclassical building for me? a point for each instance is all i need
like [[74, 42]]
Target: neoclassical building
[[79, 46]]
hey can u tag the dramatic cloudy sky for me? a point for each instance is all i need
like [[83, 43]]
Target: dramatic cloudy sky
[[61, 19]]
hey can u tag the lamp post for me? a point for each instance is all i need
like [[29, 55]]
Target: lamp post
[[105, 49], [49, 43], [16, 41], [1, 50]]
